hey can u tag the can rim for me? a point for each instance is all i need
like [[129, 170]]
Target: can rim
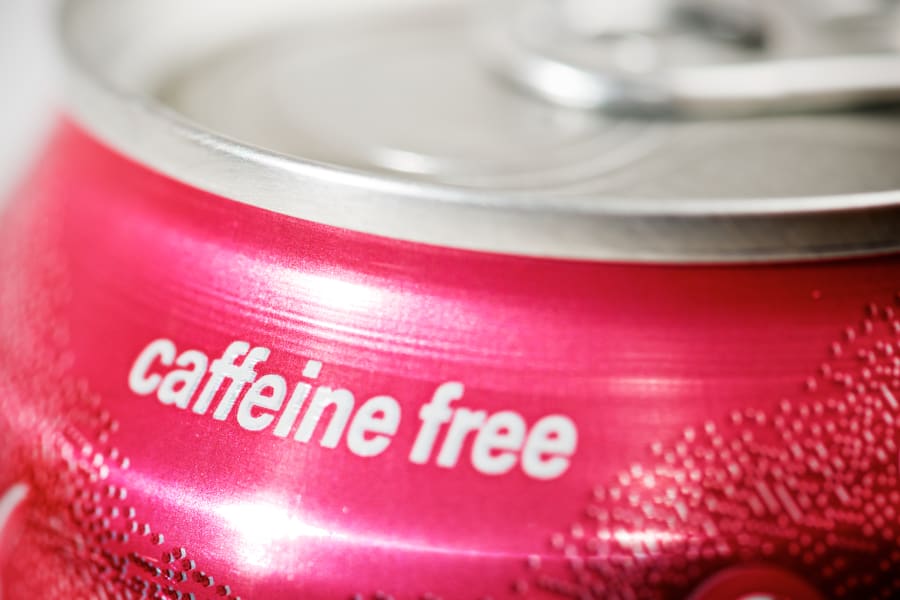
[[629, 230]]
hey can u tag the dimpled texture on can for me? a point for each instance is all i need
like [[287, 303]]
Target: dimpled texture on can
[[811, 481], [72, 531]]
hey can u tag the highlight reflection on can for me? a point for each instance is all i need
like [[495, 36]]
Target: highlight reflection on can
[[307, 305]]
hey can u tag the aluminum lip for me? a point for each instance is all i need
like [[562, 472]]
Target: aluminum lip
[[632, 230]]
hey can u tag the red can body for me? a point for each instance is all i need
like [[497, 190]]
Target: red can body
[[417, 421]]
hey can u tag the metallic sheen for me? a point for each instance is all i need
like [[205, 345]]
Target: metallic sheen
[[793, 187]]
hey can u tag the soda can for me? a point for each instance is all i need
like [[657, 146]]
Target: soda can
[[309, 301]]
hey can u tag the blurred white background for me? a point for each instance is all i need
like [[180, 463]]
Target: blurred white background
[[29, 84]]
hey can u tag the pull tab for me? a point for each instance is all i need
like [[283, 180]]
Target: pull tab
[[699, 57]]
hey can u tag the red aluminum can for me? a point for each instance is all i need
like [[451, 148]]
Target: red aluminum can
[[265, 364]]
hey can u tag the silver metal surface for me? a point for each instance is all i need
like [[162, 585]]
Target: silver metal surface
[[386, 122], [698, 57]]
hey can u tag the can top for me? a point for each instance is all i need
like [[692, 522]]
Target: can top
[[387, 120]]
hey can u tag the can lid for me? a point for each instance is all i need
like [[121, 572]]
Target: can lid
[[390, 123]]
